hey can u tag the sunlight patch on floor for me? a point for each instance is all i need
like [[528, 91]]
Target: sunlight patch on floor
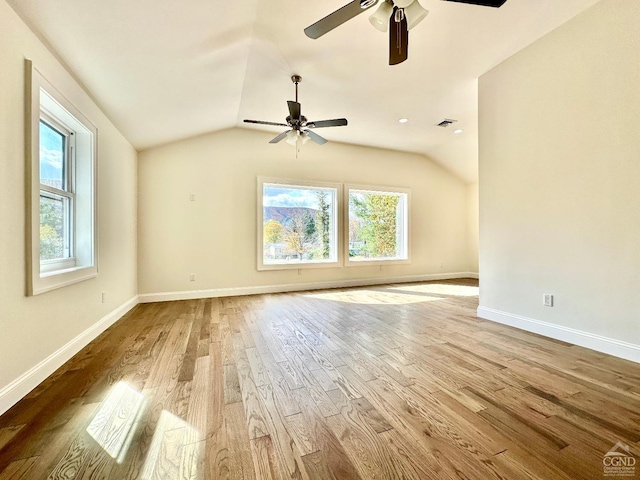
[[170, 456], [440, 289], [114, 422], [371, 297], [175, 450]]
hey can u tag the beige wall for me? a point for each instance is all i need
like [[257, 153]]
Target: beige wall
[[473, 225], [215, 236], [33, 328], [560, 176]]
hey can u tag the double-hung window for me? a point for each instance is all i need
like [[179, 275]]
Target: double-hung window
[[57, 197], [61, 210]]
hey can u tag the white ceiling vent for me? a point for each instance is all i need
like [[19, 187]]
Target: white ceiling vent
[[446, 122]]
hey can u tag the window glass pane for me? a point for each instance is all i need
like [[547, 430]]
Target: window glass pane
[[298, 224], [377, 226], [52, 157], [54, 227]]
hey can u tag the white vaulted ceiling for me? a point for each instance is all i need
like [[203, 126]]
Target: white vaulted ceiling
[[165, 70]]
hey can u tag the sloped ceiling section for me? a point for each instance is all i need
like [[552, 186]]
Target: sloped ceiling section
[[165, 70]]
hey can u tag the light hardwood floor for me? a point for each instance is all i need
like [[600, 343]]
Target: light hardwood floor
[[393, 382]]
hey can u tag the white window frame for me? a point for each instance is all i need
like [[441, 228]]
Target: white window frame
[[405, 221], [45, 102], [336, 232]]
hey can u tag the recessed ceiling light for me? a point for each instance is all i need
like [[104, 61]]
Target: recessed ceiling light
[[403, 120], [457, 131]]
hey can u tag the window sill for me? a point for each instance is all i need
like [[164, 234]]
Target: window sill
[[377, 261], [56, 267], [48, 281], [298, 266]]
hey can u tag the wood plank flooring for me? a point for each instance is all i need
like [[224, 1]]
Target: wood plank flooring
[[391, 382]]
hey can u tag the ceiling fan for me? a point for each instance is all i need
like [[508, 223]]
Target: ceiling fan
[[400, 15], [298, 123]]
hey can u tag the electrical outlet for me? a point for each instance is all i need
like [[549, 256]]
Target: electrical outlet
[[192, 277], [547, 300]]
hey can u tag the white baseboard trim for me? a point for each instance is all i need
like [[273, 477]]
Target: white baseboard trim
[[296, 287], [21, 386], [611, 346]]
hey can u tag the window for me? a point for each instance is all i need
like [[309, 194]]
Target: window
[[378, 225], [297, 224], [61, 169], [56, 195]]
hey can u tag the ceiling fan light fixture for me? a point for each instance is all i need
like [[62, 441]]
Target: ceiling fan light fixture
[[292, 137], [380, 18], [304, 137], [415, 13], [402, 3]]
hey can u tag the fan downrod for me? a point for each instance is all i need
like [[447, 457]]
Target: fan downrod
[[296, 79]]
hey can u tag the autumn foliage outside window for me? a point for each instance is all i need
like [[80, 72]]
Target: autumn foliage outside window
[[298, 224], [378, 222]]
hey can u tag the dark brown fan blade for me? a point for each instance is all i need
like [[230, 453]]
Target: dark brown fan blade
[[336, 122], [260, 122], [294, 110], [279, 137], [315, 137], [486, 3], [398, 39], [337, 18]]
